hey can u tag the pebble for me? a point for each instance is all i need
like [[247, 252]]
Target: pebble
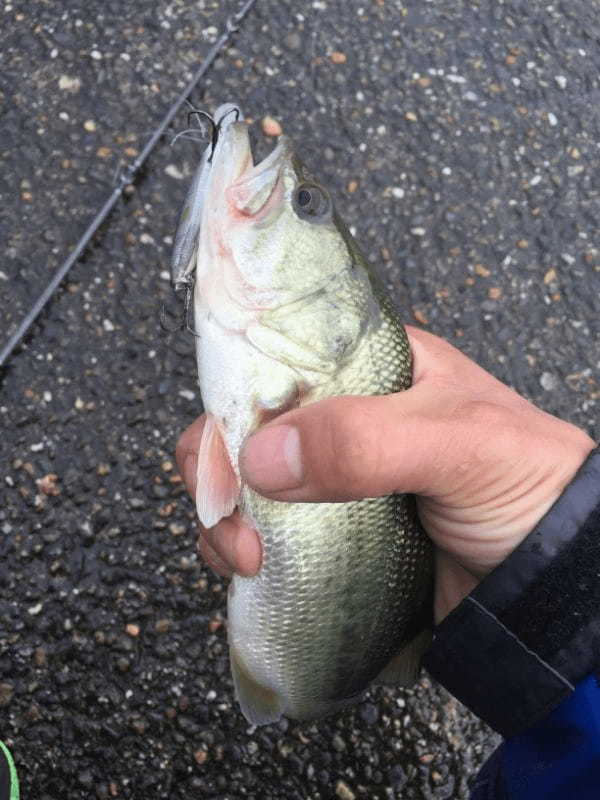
[[369, 713], [343, 791], [47, 484], [89, 125], [6, 693], [293, 41], [548, 381], [271, 127], [174, 172], [338, 57], [132, 629], [68, 84]]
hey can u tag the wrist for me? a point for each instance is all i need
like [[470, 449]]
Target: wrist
[[534, 620]]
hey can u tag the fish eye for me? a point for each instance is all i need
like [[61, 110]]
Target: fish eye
[[311, 203]]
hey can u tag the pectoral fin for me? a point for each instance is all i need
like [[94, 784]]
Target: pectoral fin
[[276, 345], [404, 667], [217, 485]]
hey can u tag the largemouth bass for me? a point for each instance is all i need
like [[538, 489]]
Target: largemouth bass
[[287, 312]]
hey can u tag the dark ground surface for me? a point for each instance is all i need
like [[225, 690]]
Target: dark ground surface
[[472, 133]]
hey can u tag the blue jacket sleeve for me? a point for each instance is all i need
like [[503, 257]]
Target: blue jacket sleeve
[[556, 759]]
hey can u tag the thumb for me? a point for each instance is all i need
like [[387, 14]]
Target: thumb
[[347, 448]]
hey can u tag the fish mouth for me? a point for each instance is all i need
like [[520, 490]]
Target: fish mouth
[[247, 187]]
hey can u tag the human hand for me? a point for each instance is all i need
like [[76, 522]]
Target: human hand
[[484, 463]]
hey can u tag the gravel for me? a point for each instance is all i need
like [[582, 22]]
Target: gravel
[[461, 142]]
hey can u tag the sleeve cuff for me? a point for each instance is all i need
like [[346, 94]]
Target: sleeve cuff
[[518, 644]]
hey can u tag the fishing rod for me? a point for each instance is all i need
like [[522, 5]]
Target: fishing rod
[[232, 25]]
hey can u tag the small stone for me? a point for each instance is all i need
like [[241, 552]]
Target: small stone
[[139, 726], [132, 629], [177, 529], [561, 81], [6, 693], [426, 758], [411, 116], [162, 625], [481, 270], [338, 57], [552, 120], [271, 127], [39, 656], [68, 84], [293, 41], [166, 466], [369, 713], [548, 381], [174, 172], [200, 756], [89, 125], [352, 187], [47, 484], [103, 469], [550, 276], [214, 625], [523, 244], [424, 82], [420, 316], [338, 743], [343, 791], [494, 292], [103, 152]]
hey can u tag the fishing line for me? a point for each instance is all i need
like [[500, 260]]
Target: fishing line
[[232, 25]]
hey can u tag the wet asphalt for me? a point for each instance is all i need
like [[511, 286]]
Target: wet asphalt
[[462, 143]]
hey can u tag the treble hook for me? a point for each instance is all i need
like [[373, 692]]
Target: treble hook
[[188, 310], [184, 134], [164, 315], [200, 115], [184, 320], [231, 111]]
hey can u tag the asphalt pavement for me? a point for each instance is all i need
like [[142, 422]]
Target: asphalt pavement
[[461, 141]]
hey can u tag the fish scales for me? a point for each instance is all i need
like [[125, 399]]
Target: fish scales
[[288, 313]]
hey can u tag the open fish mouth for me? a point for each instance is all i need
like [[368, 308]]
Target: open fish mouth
[[245, 186], [226, 182]]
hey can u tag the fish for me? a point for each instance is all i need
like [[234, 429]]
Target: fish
[[287, 311]]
